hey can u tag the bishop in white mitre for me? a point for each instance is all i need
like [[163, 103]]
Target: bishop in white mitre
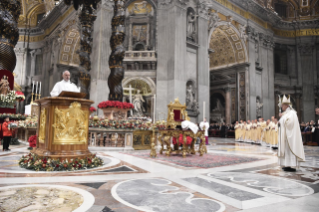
[[64, 85], [290, 146]]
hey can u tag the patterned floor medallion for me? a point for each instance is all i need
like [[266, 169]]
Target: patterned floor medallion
[[159, 196], [275, 185]]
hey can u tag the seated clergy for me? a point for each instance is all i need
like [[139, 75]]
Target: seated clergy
[[64, 85]]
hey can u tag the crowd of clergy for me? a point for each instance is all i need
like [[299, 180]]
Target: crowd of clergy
[[258, 131]]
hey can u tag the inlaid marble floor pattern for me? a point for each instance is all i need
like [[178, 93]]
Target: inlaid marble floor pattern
[[131, 182]]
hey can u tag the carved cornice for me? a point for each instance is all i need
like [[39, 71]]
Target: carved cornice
[[269, 15], [20, 51], [264, 39], [306, 49], [203, 10], [48, 20], [252, 33]]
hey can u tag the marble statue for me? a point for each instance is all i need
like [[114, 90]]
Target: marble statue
[[190, 96], [4, 85], [219, 107], [257, 51], [191, 28], [258, 107], [214, 18], [138, 104]]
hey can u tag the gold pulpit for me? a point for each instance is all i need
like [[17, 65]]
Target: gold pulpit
[[63, 127]]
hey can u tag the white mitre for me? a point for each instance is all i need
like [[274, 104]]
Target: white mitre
[[286, 99]]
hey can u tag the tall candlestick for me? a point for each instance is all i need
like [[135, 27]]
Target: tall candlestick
[[203, 110], [154, 108], [40, 89], [36, 90], [32, 86]]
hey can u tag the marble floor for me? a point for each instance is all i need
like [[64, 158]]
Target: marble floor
[[232, 176]]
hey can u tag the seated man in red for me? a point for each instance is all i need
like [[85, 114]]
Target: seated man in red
[[7, 134]]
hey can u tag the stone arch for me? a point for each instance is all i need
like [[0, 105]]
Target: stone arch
[[148, 81], [70, 45], [229, 48], [33, 13], [132, 1]]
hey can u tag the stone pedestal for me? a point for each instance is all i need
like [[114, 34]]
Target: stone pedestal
[[63, 128], [115, 113]]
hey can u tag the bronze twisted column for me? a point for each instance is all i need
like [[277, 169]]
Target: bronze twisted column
[[117, 54], [9, 33]]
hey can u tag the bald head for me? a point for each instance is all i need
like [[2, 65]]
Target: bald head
[[66, 75]]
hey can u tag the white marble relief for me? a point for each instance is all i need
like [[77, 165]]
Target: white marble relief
[[158, 195], [44, 198], [275, 185]]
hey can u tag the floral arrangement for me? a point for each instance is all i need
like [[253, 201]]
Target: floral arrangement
[[37, 163], [13, 116], [125, 124], [115, 104], [8, 101], [28, 123], [92, 109], [20, 96], [32, 141]]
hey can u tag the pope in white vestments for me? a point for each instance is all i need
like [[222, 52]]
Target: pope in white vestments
[[64, 85], [290, 146]]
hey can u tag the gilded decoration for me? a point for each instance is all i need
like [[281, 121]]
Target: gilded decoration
[[70, 125], [43, 118], [31, 10], [139, 7], [228, 47], [176, 114], [303, 9], [70, 47]]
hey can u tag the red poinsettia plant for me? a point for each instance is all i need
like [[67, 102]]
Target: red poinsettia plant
[[115, 104], [32, 141], [20, 96], [92, 109]]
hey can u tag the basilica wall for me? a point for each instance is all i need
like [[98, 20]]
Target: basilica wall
[[225, 59]]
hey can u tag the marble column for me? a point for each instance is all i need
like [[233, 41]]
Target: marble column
[[276, 104], [306, 60], [251, 100], [171, 55], [20, 69], [100, 53], [203, 65], [228, 105], [271, 80], [298, 105]]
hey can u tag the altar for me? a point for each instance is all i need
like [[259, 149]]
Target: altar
[[63, 127]]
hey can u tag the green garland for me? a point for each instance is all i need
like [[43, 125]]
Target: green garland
[[37, 163]]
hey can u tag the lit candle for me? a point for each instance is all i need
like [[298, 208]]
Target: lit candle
[[32, 86], [154, 108], [36, 90], [40, 89], [203, 110]]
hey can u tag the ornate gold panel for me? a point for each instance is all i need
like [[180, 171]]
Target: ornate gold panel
[[43, 118], [70, 125]]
